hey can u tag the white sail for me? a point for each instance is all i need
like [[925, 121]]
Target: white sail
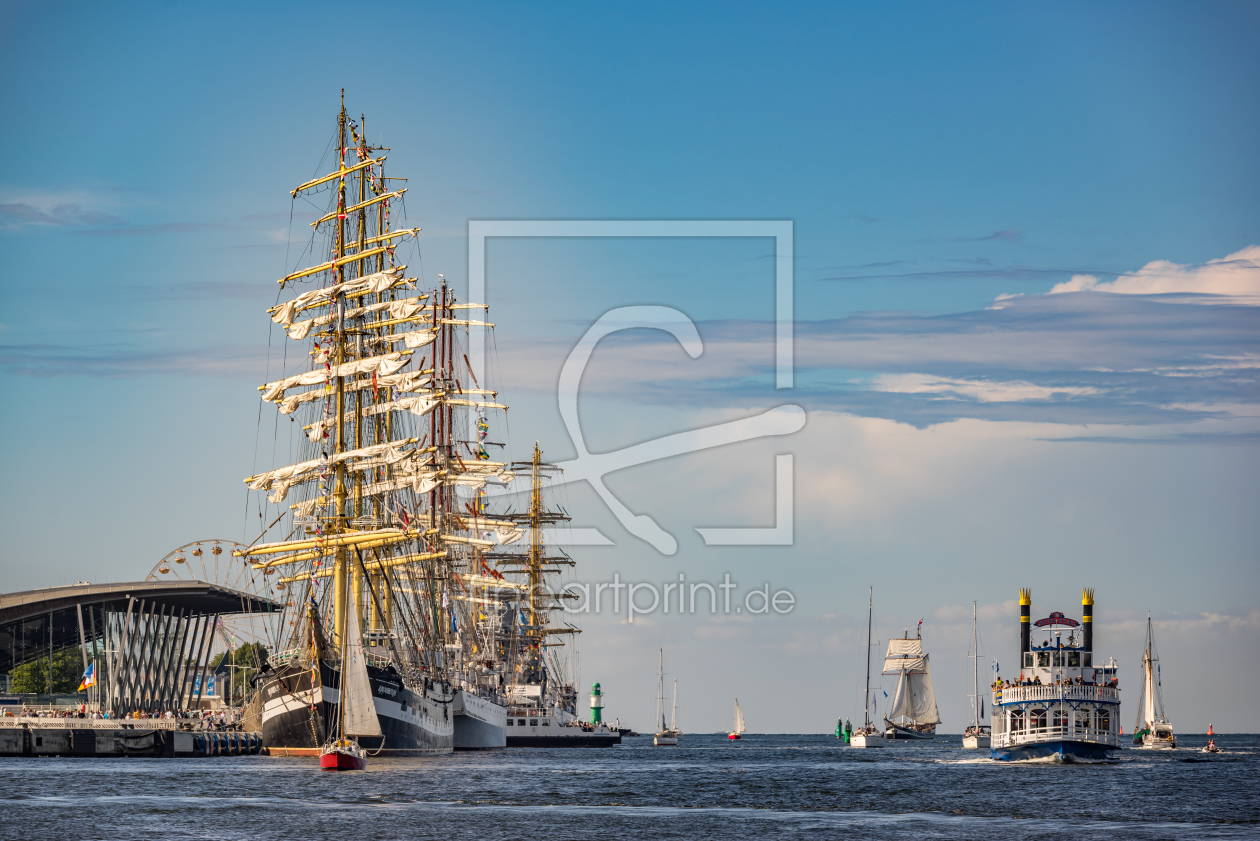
[[922, 697], [377, 282], [358, 710], [739, 718], [904, 655], [420, 404], [902, 705], [405, 381], [415, 338], [279, 481], [406, 308], [389, 363], [914, 699]]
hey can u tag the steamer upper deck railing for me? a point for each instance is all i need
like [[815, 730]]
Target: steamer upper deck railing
[[1053, 692]]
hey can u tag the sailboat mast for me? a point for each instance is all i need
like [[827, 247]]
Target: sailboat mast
[[975, 650], [870, 612], [660, 689], [1148, 701], [673, 716]]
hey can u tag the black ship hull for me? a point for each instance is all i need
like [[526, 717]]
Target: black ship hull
[[297, 713], [901, 731]]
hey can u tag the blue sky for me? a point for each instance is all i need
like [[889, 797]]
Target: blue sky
[[945, 168]]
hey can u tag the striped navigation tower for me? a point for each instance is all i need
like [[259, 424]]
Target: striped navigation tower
[[597, 705]]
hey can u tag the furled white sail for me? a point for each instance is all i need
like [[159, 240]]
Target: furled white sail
[[419, 483], [377, 282], [358, 709], [390, 363], [279, 481], [509, 535], [406, 308], [904, 655], [416, 338], [405, 381], [421, 405]]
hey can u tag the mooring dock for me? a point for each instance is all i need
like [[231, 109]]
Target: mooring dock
[[29, 736]]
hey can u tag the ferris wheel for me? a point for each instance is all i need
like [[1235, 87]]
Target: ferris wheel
[[211, 561]]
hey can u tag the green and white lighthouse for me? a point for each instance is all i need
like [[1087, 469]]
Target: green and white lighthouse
[[597, 705]]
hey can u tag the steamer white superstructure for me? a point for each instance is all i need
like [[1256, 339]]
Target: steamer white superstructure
[[1063, 706]]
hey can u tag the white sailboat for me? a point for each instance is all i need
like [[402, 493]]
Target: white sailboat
[[1152, 729], [868, 736], [667, 735], [358, 716], [976, 735], [739, 728]]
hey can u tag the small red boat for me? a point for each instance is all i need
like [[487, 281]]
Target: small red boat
[[734, 735], [344, 755]]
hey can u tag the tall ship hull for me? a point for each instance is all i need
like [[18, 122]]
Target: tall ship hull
[[296, 715], [1061, 707], [908, 732], [480, 724]]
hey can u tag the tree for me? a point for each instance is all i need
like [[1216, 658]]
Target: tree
[[31, 678], [247, 659]]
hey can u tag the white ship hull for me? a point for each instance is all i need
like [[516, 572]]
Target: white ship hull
[[480, 724], [973, 742], [545, 731], [867, 740], [1158, 737]]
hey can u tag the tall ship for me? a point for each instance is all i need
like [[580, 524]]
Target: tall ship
[[1152, 730], [539, 681], [381, 497], [1062, 706], [913, 714]]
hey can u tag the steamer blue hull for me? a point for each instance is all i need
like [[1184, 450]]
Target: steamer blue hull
[[296, 720], [1064, 750]]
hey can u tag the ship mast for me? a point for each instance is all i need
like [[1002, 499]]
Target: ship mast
[[975, 643], [536, 565], [870, 612]]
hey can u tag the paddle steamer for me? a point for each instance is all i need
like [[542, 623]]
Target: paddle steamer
[[1062, 706]]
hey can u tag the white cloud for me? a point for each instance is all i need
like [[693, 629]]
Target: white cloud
[[1236, 276], [985, 391]]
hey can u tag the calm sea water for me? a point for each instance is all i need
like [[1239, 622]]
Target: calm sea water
[[765, 787]]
